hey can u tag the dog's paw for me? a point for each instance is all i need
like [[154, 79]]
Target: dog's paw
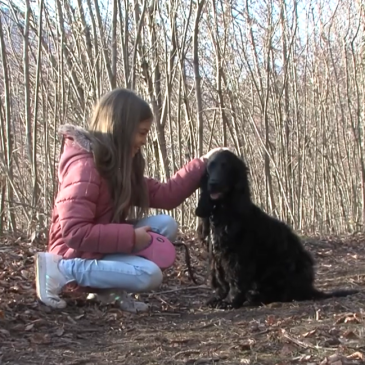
[[224, 305], [218, 303], [214, 302]]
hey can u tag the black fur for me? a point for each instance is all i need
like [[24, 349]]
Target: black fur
[[257, 259]]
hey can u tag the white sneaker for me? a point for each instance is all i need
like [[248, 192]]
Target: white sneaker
[[49, 279], [126, 303]]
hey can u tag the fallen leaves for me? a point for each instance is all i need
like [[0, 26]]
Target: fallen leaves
[[287, 351], [349, 318], [328, 332], [271, 320], [29, 327], [350, 334], [40, 338], [309, 333], [60, 331], [247, 344], [339, 359], [356, 356], [4, 332], [203, 361]]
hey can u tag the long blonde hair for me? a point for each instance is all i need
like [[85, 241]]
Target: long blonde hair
[[112, 129]]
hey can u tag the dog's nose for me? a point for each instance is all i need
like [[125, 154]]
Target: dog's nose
[[213, 185]]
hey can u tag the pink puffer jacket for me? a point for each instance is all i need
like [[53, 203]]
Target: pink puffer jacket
[[82, 214]]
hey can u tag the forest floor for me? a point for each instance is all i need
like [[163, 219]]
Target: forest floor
[[179, 329]]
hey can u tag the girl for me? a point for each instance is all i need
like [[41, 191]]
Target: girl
[[101, 185]]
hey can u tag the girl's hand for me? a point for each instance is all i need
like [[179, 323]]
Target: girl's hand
[[206, 157], [142, 238]]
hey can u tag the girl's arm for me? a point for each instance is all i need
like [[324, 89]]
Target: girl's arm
[[179, 187]]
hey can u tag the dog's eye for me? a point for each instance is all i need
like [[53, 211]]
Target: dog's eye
[[211, 166]]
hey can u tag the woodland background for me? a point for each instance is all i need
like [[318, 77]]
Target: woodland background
[[280, 82]]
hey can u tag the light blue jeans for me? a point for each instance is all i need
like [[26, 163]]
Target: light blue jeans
[[119, 271]]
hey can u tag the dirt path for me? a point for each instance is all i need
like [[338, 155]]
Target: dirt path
[[179, 329]]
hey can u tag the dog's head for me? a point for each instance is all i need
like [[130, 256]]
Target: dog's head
[[225, 181]]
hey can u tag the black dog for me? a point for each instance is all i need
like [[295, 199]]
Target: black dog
[[257, 259]]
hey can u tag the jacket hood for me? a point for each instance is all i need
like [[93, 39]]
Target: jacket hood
[[78, 135]]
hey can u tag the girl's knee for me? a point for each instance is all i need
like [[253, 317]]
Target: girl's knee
[[170, 227], [163, 224], [155, 279], [152, 278]]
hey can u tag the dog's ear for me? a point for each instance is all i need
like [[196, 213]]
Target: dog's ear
[[242, 195], [205, 204], [203, 229]]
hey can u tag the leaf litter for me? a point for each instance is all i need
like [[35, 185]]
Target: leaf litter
[[179, 329]]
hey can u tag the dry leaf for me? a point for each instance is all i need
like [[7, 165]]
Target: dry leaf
[[350, 334], [356, 356], [247, 344], [358, 316], [310, 333], [334, 357], [111, 317], [60, 332], [2, 314], [71, 320], [4, 332], [353, 319], [29, 327], [15, 288], [270, 320], [18, 327], [287, 350], [40, 338], [348, 318], [334, 341], [25, 274]]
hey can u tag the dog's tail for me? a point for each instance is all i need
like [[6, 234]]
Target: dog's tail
[[317, 294]]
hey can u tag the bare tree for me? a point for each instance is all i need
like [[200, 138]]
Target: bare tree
[[288, 98], [7, 141], [198, 92]]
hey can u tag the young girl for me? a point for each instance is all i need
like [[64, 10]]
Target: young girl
[[101, 187]]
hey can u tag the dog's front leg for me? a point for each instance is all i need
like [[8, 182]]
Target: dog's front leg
[[220, 286], [237, 295], [240, 286]]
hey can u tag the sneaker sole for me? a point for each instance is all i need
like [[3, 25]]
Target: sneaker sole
[[39, 268]]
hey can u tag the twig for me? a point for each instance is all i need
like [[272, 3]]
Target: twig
[[187, 260], [166, 314], [164, 301], [187, 353], [182, 288], [304, 344]]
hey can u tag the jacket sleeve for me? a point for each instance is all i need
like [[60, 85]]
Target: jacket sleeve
[[178, 188], [76, 204]]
